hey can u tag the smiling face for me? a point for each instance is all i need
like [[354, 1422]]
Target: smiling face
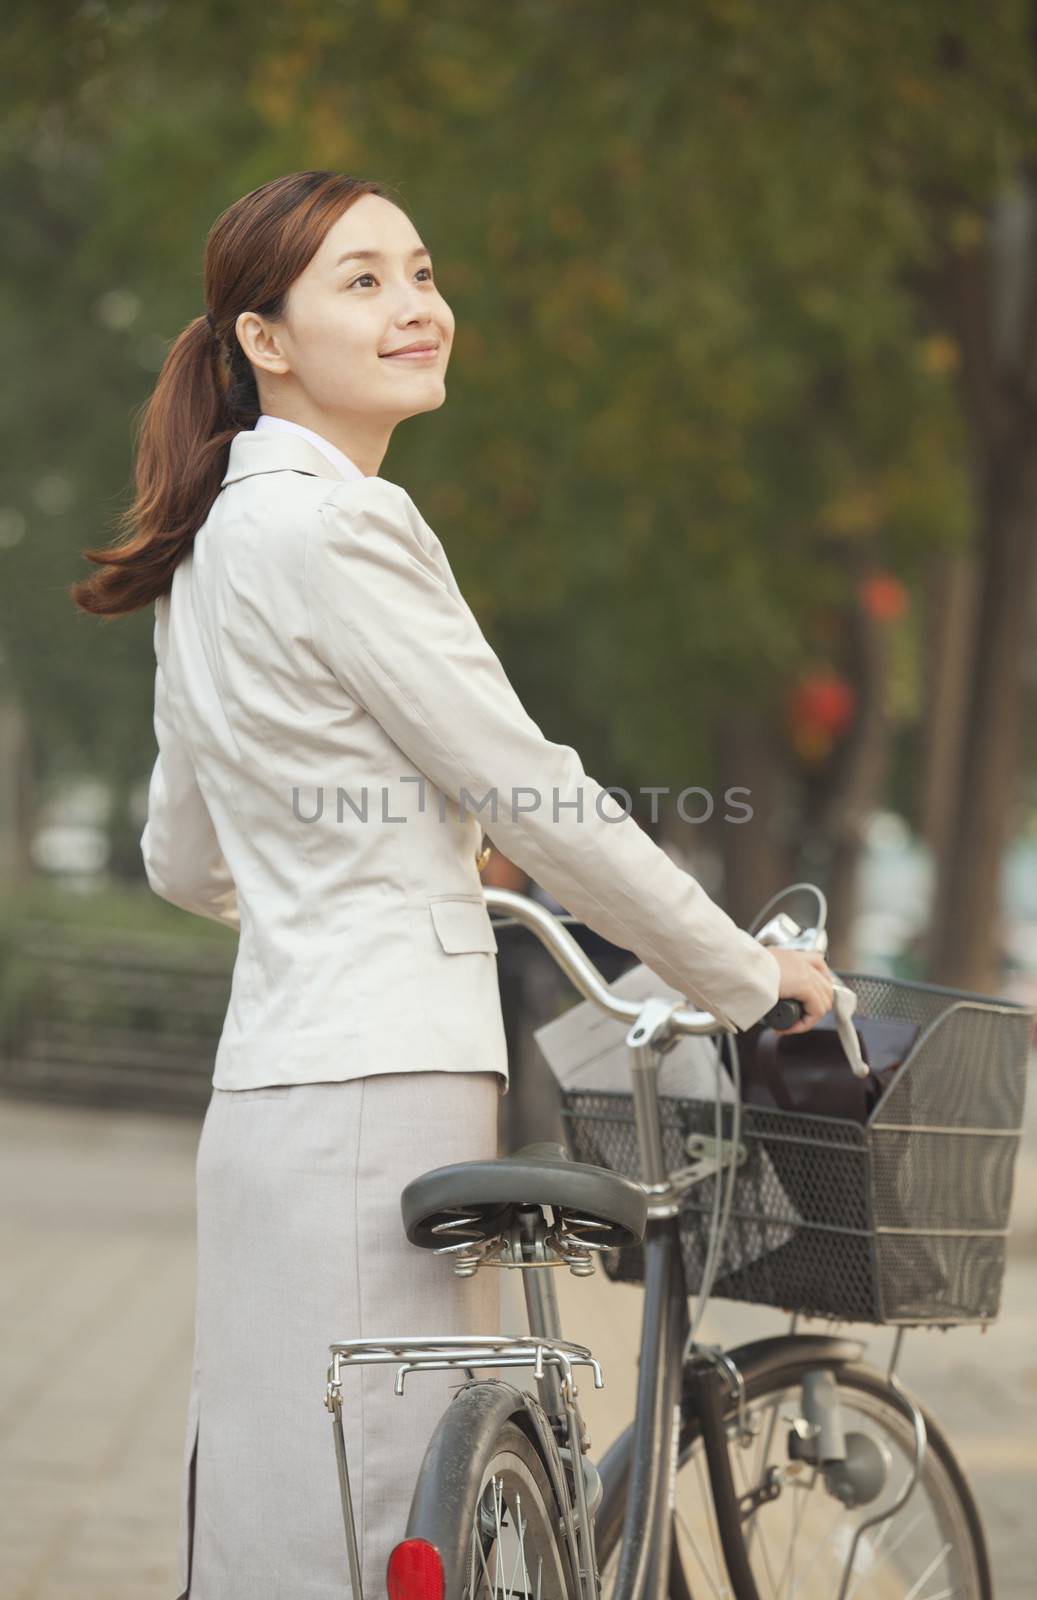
[[329, 364]]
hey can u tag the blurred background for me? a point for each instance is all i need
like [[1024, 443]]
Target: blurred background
[[737, 469]]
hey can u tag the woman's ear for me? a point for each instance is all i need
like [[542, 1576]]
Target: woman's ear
[[260, 343]]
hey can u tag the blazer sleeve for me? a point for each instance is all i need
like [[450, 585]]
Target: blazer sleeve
[[182, 856], [401, 640]]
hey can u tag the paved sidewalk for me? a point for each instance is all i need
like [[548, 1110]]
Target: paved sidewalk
[[97, 1308]]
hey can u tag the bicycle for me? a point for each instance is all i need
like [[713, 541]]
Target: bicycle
[[787, 1467]]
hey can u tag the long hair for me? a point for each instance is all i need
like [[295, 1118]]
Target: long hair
[[206, 391]]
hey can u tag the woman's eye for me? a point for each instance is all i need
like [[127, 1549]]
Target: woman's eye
[[370, 275]]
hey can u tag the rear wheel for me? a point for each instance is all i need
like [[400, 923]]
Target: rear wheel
[[513, 1543], [798, 1527]]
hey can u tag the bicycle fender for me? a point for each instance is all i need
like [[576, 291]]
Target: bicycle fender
[[764, 1357], [452, 1467]]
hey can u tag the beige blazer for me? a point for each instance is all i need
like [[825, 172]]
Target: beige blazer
[[335, 735]]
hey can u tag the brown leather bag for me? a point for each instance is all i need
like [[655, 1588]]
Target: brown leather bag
[[808, 1073]]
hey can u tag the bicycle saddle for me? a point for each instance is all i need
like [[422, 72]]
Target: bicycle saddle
[[485, 1193]]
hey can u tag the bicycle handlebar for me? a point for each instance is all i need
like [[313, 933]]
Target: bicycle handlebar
[[585, 977]]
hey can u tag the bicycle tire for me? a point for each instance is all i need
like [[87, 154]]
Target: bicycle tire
[[769, 1380], [486, 1498]]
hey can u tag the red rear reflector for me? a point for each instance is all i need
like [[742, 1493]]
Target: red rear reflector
[[415, 1571]]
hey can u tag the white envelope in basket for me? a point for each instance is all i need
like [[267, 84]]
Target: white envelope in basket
[[585, 1050]]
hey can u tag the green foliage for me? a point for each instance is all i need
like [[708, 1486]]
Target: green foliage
[[43, 915], [120, 909], [697, 373]]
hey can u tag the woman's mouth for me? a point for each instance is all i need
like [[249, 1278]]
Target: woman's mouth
[[418, 352]]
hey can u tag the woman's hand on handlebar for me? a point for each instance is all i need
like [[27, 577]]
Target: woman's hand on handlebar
[[806, 977]]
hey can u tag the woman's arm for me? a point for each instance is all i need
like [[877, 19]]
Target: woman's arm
[[388, 621], [182, 855]]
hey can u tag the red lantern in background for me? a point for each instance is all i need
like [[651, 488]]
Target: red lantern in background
[[883, 596], [820, 708]]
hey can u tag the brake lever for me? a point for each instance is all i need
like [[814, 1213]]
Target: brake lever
[[786, 1013], [785, 932]]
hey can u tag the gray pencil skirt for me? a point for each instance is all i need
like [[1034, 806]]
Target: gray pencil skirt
[[300, 1243]]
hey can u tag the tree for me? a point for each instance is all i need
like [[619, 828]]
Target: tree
[[702, 387]]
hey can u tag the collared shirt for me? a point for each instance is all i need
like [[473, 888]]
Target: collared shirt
[[337, 457]]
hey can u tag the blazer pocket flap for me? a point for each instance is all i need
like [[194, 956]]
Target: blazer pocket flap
[[462, 923]]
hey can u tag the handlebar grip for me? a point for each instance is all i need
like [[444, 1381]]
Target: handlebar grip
[[784, 1015]]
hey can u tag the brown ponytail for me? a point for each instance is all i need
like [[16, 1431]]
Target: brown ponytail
[[206, 391]]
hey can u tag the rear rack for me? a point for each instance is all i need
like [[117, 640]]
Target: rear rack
[[464, 1351]]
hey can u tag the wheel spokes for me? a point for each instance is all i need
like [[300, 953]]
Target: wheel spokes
[[800, 1541], [491, 1524]]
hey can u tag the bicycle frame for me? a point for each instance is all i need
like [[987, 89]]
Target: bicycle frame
[[647, 1533], [644, 1560]]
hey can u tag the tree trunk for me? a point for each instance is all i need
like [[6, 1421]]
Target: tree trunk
[[989, 296], [758, 856], [950, 632], [838, 819], [966, 922], [16, 786]]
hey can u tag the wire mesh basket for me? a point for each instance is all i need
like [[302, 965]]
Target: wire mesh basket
[[902, 1219]]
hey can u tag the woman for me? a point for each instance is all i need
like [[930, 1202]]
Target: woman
[[334, 734]]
